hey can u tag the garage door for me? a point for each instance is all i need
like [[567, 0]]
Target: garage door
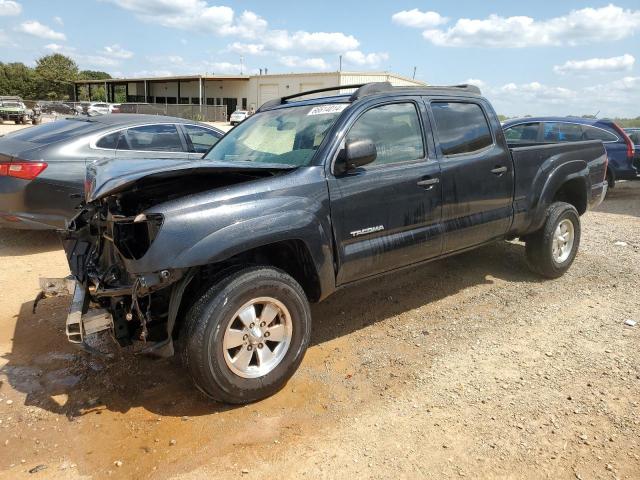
[[267, 92]]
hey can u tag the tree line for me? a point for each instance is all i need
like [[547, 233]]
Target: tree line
[[51, 79]]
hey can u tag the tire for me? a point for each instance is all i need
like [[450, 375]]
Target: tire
[[611, 181], [540, 245], [209, 319]]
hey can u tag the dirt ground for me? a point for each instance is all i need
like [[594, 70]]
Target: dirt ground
[[468, 367]]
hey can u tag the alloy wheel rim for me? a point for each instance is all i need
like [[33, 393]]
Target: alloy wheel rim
[[563, 238], [257, 338]]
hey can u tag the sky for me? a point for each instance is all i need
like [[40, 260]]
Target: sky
[[543, 57]]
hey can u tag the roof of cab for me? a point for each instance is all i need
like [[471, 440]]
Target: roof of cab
[[375, 89]]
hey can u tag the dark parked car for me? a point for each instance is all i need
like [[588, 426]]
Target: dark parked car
[[42, 169], [300, 199], [542, 130]]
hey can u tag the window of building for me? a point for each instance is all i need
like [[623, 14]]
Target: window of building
[[461, 127]]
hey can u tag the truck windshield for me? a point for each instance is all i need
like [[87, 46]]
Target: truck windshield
[[288, 136]]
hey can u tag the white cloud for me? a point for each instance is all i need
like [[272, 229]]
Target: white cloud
[[166, 59], [247, 48], [578, 27], [37, 29], [618, 98], [293, 61], [224, 68], [58, 20], [9, 8], [357, 58], [612, 64], [54, 47], [418, 19], [117, 51], [96, 60], [221, 20], [476, 82]]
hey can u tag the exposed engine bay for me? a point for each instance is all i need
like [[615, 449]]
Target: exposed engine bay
[[140, 309]]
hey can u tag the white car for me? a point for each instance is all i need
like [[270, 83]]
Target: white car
[[238, 116], [101, 108]]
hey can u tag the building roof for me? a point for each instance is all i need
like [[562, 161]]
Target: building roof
[[196, 77]]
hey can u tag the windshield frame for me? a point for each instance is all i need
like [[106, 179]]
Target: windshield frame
[[330, 133]]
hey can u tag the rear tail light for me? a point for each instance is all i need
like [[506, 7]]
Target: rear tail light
[[627, 140], [23, 170]]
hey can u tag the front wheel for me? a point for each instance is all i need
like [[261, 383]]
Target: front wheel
[[551, 250], [246, 336]]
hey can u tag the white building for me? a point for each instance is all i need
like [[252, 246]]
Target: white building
[[233, 91]]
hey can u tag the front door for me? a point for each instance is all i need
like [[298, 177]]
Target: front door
[[477, 174], [386, 215]]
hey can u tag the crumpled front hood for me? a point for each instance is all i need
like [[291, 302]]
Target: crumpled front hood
[[108, 177]]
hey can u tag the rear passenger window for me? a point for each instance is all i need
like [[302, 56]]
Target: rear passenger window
[[570, 132], [154, 138], [592, 133], [395, 130], [524, 133], [562, 132], [109, 141], [461, 127]]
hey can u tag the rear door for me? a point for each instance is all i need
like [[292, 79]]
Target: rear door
[[477, 172], [387, 214], [152, 141]]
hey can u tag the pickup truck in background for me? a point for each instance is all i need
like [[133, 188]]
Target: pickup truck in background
[[224, 256]]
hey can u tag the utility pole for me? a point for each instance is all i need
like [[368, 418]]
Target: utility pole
[[241, 64], [414, 73], [340, 64]]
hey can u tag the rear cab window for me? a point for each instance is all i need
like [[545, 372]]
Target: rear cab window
[[462, 127]]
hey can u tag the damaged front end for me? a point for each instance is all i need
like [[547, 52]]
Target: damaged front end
[[137, 309], [115, 287]]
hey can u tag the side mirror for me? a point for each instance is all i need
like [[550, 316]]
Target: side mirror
[[356, 153]]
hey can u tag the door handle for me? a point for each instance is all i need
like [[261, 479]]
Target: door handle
[[428, 182], [499, 170]]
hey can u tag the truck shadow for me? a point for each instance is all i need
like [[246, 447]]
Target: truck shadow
[[14, 243], [55, 376], [624, 199]]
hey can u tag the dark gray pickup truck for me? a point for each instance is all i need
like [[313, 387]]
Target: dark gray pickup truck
[[223, 256]]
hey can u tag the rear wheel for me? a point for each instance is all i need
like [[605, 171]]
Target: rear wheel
[[551, 250], [246, 336]]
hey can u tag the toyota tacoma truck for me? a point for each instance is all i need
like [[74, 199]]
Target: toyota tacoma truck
[[220, 259]]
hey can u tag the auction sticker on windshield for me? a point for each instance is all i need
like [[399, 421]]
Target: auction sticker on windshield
[[324, 109]]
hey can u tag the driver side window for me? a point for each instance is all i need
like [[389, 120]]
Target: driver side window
[[394, 129]]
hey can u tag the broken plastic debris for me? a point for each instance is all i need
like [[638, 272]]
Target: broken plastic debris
[[630, 323]]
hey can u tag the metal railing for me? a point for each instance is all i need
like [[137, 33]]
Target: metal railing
[[206, 113]]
